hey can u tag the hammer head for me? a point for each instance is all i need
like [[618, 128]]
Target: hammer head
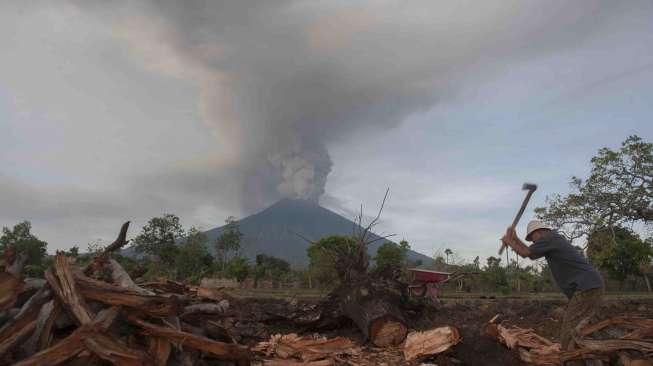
[[529, 187]]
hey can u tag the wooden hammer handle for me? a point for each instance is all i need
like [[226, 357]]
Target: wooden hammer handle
[[522, 208], [519, 215]]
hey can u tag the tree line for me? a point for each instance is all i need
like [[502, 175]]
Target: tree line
[[163, 248]]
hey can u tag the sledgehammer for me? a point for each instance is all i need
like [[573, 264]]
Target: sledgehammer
[[530, 187]]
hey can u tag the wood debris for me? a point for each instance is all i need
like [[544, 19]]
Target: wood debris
[[314, 351], [538, 350], [431, 342]]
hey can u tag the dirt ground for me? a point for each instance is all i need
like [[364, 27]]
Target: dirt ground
[[469, 315]]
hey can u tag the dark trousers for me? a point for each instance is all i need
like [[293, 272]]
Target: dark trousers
[[582, 307]]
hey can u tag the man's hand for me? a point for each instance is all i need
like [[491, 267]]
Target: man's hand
[[510, 237], [512, 240], [512, 233]]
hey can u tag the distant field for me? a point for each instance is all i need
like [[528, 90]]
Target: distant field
[[317, 294]]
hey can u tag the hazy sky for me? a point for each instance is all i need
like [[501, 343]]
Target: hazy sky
[[114, 111]]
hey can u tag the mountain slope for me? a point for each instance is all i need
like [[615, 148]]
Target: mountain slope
[[274, 231]]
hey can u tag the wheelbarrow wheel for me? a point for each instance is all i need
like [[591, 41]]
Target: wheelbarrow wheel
[[418, 290]]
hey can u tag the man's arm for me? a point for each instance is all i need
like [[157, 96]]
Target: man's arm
[[512, 240]]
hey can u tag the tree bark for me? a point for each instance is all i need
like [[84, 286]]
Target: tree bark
[[22, 325], [121, 278], [375, 315], [42, 335], [154, 305], [225, 351], [11, 281], [73, 344]]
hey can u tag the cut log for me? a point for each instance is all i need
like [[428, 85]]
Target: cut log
[[218, 332], [627, 322], [431, 342], [115, 352], [121, 278], [16, 267], [11, 281], [10, 286], [73, 344], [64, 286], [117, 244], [380, 321], [219, 350], [613, 345], [206, 308], [154, 305], [22, 325], [537, 357], [42, 335], [159, 349]]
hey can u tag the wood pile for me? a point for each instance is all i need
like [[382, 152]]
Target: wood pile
[[97, 315], [633, 346]]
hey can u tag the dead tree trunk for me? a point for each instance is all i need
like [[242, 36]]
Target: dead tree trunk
[[370, 302], [380, 321]]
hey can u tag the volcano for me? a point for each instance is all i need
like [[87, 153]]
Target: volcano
[[277, 229]]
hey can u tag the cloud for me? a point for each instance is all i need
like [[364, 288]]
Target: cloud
[[126, 109], [279, 81]]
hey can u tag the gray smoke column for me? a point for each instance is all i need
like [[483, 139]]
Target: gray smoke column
[[280, 80]]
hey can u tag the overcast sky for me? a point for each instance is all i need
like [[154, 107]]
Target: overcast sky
[[114, 111]]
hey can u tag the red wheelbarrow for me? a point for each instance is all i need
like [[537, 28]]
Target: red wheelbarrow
[[426, 282]]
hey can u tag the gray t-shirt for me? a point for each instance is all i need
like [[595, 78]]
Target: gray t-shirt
[[569, 267]]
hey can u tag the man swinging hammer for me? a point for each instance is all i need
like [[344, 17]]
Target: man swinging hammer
[[580, 282]]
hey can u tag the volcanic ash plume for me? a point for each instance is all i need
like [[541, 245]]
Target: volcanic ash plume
[[278, 81], [303, 172]]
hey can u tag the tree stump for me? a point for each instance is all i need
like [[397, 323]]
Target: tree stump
[[376, 315]]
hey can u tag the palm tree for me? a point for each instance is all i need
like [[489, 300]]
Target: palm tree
[[447, 252]]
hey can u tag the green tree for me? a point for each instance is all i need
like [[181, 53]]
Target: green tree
[[193, 259], [270, 267], [440, 263], [330, 259], [228, 242], [73, 251], [620, 252], [618, 191], [390, 258], [20, 239], [238, 268], [447, 252], [494, 276], [94, 247], [158, 238]]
